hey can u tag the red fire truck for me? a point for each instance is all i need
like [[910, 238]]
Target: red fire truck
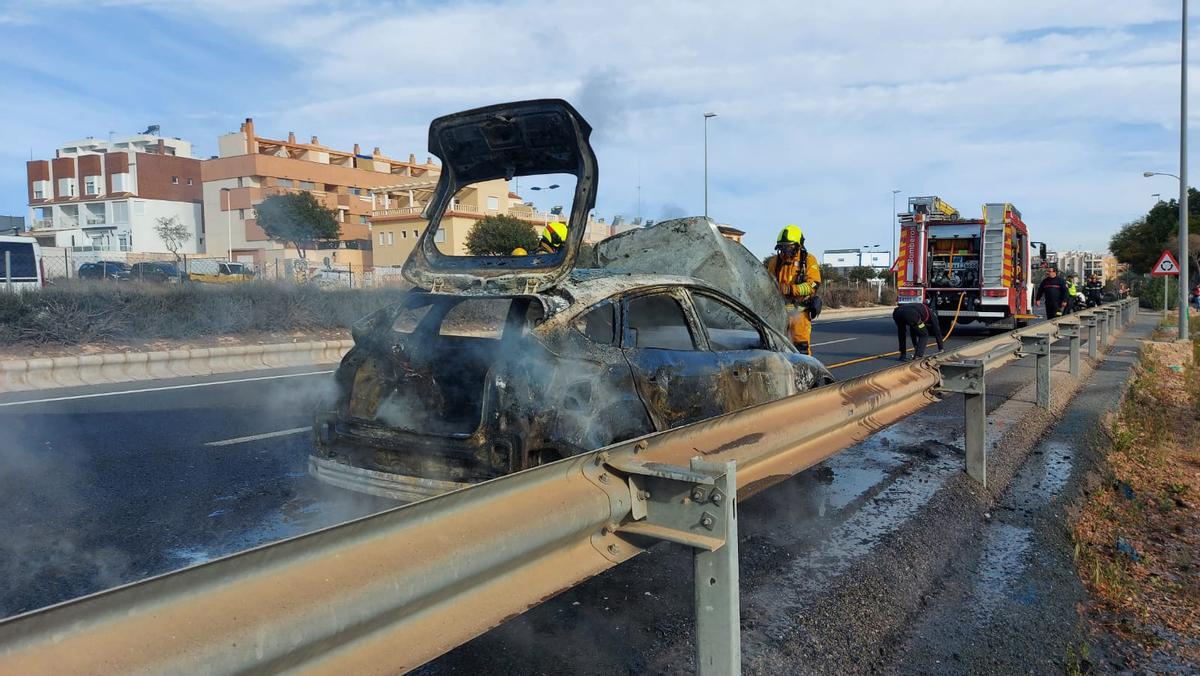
[[985, 261]]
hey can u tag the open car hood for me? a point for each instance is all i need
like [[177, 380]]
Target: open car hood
[[502, 141]]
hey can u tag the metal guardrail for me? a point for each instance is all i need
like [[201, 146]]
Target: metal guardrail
[[391, 591]]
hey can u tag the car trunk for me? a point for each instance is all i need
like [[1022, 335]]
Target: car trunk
[[424, 367]]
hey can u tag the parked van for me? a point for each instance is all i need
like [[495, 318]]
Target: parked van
[[21, 265]]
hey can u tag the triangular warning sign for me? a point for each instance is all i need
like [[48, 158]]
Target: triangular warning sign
[[1166, 265]]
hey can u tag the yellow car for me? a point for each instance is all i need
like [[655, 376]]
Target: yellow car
[[222, 273]]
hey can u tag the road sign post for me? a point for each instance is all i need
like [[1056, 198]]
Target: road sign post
[[1166, 267]]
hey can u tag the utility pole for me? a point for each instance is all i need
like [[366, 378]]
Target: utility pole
[[706, 116], [1183, 184]]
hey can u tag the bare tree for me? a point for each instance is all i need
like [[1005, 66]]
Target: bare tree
[[172, 233]]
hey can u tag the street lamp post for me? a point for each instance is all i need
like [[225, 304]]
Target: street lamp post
[[706, 116], [895, 235], [228, 221], [1183, 186]]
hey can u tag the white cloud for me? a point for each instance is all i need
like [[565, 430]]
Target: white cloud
[[823, 107]]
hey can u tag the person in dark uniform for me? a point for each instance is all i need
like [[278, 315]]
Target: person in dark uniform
[[916, 321], [1055, 291]]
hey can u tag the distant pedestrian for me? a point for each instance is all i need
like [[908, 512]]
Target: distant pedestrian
[[916, 321], [1055, 293]]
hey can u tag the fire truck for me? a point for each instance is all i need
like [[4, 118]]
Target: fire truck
[[985, 262]]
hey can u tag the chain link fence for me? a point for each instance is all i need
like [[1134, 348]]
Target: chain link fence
[[59, 264]]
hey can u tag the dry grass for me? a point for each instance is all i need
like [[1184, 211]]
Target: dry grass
[[86, 313], [1138, 540]]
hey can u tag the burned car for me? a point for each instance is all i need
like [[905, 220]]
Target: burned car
[[494, 364]]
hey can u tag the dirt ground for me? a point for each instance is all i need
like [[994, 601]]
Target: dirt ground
[[31, 351], [1137, 540]]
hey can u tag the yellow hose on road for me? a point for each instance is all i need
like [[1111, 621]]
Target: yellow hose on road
[[896, 353]]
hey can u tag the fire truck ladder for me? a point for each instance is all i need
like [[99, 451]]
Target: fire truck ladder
[[993, 245]]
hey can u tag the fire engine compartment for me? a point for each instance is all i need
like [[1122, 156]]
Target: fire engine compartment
[[953, 258]]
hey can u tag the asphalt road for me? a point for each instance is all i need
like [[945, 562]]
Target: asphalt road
[[110, 484]]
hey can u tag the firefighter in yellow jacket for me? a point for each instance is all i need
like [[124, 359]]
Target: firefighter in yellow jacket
[[798, 275]]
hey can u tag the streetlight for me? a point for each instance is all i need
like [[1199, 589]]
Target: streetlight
[[895, 231], [706, 116], [228, 221], [1183, 235], [1157, 197]]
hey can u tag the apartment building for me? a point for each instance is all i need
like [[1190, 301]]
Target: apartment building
[[250, 168], [1084, 264], [397, 221], [108, 195]]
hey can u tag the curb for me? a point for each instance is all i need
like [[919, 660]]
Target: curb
[[19, 375]]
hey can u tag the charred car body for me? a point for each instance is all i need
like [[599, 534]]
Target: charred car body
[[495, 364]]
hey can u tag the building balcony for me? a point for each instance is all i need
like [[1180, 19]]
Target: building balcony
[[42, 224]]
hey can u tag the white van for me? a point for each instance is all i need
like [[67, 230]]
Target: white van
[[21, 266]]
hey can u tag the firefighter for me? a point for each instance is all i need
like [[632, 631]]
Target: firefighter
[[1094, 289], [797, 275], [553, 237], [917, 321], [1055, 291]]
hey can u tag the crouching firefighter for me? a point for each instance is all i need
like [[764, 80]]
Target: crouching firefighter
[[916, 321], [797, 275]]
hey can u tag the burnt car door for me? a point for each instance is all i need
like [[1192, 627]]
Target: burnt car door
[[676, 376], [752, 371]]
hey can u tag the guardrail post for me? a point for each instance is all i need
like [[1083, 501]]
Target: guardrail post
[[1102, 316], [966, 377], [1071, 330], [1090, 321], [718, 591], [695, 506], [1112, 326], [1039, 346]]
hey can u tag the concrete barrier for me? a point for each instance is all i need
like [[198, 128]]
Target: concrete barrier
[[18, 375]]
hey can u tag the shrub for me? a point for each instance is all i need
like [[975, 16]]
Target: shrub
[[77, 312]]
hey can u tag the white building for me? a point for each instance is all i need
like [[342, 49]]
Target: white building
[[109, 195]]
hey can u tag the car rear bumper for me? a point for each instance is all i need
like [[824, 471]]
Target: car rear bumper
[[383, 484]]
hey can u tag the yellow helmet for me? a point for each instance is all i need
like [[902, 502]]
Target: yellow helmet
[[555, 234], [519, 251], [790, 234]]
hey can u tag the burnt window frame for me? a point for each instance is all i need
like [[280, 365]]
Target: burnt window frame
[[764, 336], [690, 320]]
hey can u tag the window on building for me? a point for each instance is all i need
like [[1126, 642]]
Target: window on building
[[363, 220], [440, 236], [120, 211], [417, 233], [404, 234], [307, 185], [241, 182], [355, 191], [174, 180], [41, 190], [121, 182], [284, 182], [493, 203], [66, 187], [241, 214], [189, 181], [391, 238], [382, 239], [91, 185]]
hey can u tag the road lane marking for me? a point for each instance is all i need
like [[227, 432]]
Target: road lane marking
[[160, 389], [256, 437], [831, 342]]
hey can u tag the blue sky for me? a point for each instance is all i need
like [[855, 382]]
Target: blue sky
[[822, 110]]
